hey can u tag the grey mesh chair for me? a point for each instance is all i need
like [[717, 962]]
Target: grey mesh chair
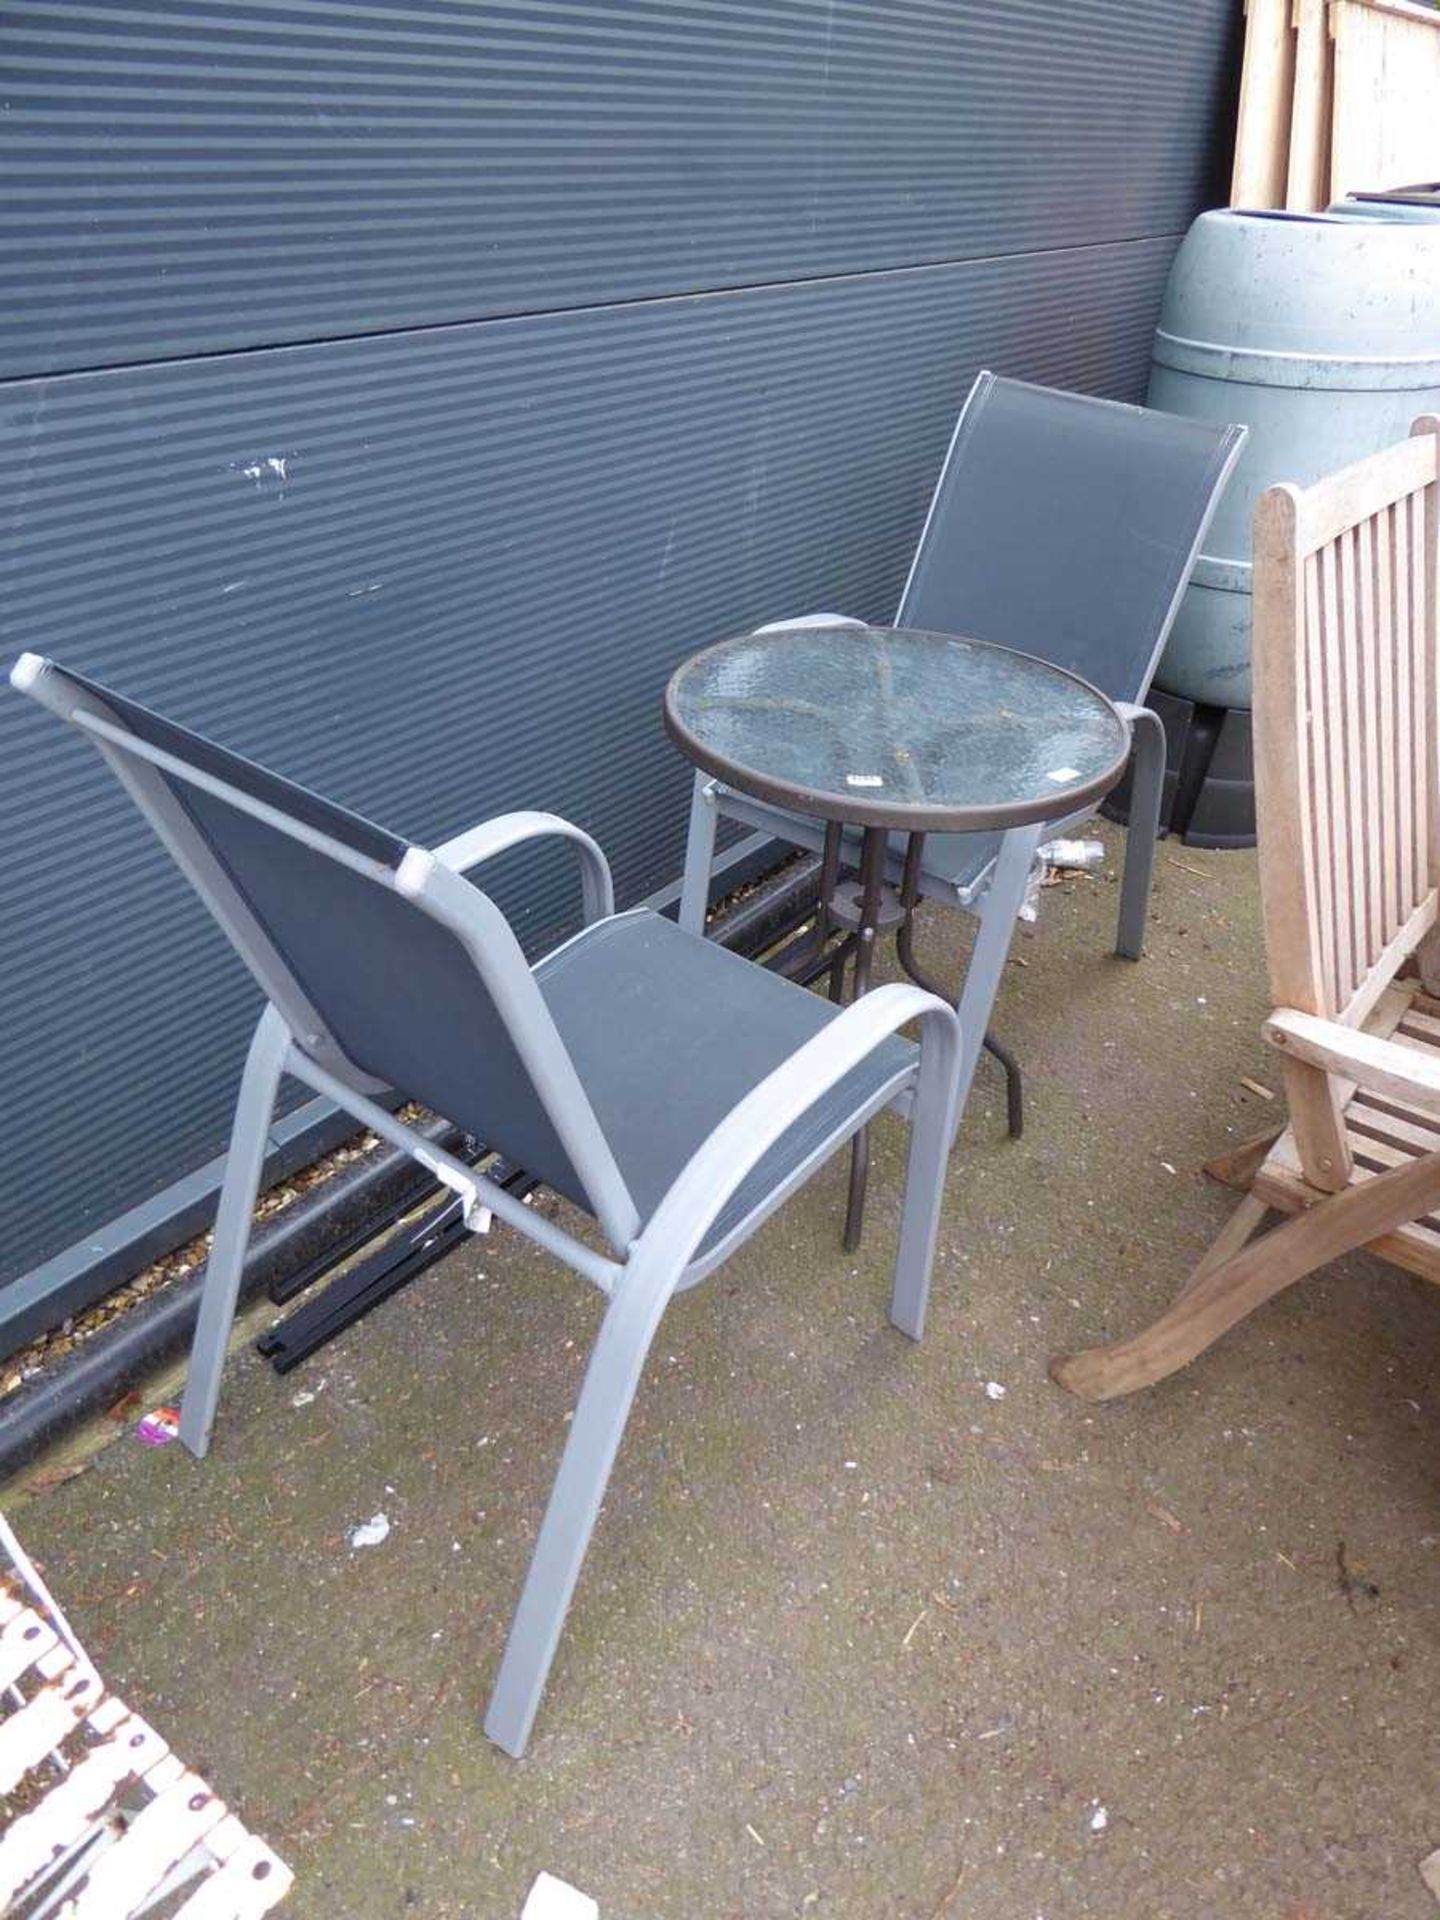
[[1065, 527], [675, 1092]]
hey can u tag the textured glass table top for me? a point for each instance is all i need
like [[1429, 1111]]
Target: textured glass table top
[[889, 726]]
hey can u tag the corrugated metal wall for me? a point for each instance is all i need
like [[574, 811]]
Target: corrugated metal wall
[[398, 391]]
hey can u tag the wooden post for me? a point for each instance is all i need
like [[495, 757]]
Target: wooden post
[[1262, 137], [1427, 954], [1290, 858], [1308, 179]]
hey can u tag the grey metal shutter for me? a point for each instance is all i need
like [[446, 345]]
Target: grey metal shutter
[[399, 391]]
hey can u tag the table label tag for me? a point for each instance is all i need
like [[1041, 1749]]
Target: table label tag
[[864, 779], [1060, 775]]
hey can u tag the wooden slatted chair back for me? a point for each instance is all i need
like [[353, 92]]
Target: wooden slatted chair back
[[1347, 749]]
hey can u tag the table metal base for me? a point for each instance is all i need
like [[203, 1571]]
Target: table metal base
[[849, 920]]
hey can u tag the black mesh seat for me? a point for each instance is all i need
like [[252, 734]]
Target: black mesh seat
[[669, 1032]]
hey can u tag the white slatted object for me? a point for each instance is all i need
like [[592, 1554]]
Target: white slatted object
[[123, 1822]]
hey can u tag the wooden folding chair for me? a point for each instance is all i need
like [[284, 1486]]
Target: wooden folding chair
[[1347, 746]]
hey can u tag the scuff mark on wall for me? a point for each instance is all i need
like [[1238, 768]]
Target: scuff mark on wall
[[270, 473]]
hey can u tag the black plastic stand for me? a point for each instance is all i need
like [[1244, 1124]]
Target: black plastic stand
[[1209, 793]]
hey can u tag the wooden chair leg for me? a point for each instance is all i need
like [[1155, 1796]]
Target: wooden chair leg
[[1239, 1166], [1237, 1232], [1219, 1297]]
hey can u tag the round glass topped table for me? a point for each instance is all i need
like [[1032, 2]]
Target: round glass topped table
[[894, 728], [899, 731]]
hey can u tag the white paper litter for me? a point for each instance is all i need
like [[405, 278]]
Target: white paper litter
[[1099, 1820], [994, 1390], [552, 1899], [370, 1532]]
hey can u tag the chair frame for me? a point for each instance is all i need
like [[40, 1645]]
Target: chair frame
[[648, 1262], [1347, 761], [996, 894]]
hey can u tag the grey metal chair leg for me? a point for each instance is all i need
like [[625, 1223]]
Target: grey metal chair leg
[[699, 856], [243, 1167], [1002, 901], [595, 1433], [655, 1266], [931, 1128], [1146, 791]]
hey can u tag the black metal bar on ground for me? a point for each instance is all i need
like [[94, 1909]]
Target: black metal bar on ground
[[95, 1375], [286, 1286], [404, 1256], [410, 1191]]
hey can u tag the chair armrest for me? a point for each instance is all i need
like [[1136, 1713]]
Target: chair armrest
[[810, 620], [1132, 710], [1379, 1066], [756, 1122], [506, 830]]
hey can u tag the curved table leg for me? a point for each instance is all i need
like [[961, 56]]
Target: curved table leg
[[1014, 1085]]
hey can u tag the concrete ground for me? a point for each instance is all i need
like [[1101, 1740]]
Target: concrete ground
[[858, 1636]]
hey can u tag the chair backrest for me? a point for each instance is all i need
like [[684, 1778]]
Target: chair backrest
[[379, 985], [1345, 637], [1066, 527], [1347, 743]]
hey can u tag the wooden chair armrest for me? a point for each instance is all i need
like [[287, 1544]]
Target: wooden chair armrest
[[1379, 1066]]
